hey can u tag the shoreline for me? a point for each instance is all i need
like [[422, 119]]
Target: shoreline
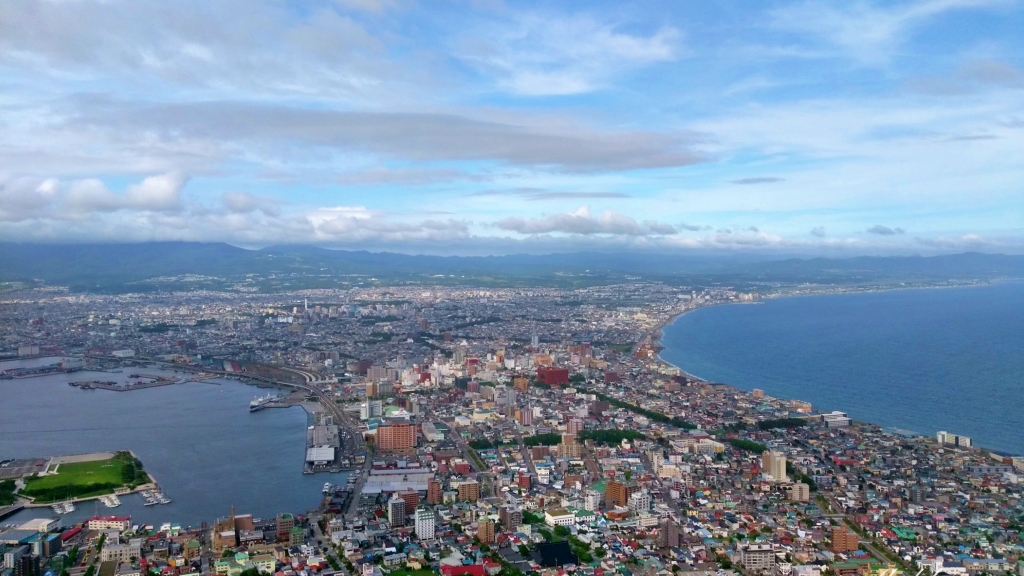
[[656, 334]]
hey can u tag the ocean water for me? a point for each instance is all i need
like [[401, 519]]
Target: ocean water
[[198, 440], [919, 360]]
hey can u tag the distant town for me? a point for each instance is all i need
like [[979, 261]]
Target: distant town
[[493, 431]]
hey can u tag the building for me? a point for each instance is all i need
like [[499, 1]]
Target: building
[[844, 539], [953, 439], [800, 492], [469, 490], [668, 534], [284, 525], [758, 557], [553, 376], [411, 498], [424, 523], [774, 464], [122, 552], [617, 493], [574, 426], [524, 416], [433, 491], [559, 517], [511, 518], [396, 510], [396, 437], [836, 419], [119, 523], [485, 531], [521, 384], [371, 409], [640, 501], [296, 536]]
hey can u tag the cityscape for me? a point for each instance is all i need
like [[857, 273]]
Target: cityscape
[[472, 431], [511, 288]]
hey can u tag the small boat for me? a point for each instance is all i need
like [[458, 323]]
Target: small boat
[[327, 488], [69, 507]]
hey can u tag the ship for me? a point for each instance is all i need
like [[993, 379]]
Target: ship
[[260, 403], [327, 488]]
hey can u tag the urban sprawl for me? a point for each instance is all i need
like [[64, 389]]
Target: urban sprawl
[[508, 431]]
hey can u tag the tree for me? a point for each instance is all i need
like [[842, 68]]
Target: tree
[[628, 474], [524, 550], [561, 531]]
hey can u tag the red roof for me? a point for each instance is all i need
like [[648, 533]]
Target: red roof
[[468, 570]]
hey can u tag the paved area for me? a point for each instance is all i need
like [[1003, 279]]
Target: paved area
[[23, 467]]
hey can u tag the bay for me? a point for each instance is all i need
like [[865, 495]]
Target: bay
[[198, 440], [918, 360]]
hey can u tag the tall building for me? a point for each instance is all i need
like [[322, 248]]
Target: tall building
[[396, 510], [617, 493], [758, 557], [640, 501], [485, 531], [371, 409], [411, 498], [434, 491], [774, 463], [469, 490], [521, 384], [396, 437], [553, 376], [511, 517], [285, 523], [424, 523], [525, 416], [844, 539], [800, 492], [668, 534], [574, 426]]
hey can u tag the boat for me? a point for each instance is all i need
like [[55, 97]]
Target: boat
[[58, 508], [69, 507], [260, 403], [327, 488]]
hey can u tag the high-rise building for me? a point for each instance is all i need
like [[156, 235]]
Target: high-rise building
[[774, 463], [434, 491], [371, 409], [668, 534], [617, 493], [411, 498], [285, 523], [758, 557], [640, 501], [485, 531], [396, 510], [800, 492], [396, 437], [511, 517], [574, 426], [521, 384], [844, 539], [424, 520], [469, 490]]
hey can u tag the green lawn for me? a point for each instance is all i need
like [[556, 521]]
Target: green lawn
[[84, 479]]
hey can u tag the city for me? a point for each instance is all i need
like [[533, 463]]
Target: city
[[506, 431]]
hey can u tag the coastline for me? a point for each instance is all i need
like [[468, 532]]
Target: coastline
[[655, 335]]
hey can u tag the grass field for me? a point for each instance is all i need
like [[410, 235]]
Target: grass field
[[85, 479]]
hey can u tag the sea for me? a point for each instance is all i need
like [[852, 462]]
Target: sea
[[917, 361], [198, 440]]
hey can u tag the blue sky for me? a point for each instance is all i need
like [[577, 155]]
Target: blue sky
[[494, 127]]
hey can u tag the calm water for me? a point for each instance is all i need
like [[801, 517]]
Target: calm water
[[198, 440], [919, 360]]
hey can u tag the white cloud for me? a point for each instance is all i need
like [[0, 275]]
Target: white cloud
[[863, 31], [581, 222], [551, 55], [156, 193], [243, 202]]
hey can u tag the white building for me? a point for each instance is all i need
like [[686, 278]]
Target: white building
[[559, 517], [424, 523], [120, 523], [836, 419], [592, 501], [371, 409], [122, 552], [758, 557], [640, 501]]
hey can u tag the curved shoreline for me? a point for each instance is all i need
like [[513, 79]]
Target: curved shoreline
[[657, 333]]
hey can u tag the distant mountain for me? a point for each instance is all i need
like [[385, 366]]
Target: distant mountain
[[165, 265]]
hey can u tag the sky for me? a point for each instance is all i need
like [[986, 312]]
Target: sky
[[491, 127]]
